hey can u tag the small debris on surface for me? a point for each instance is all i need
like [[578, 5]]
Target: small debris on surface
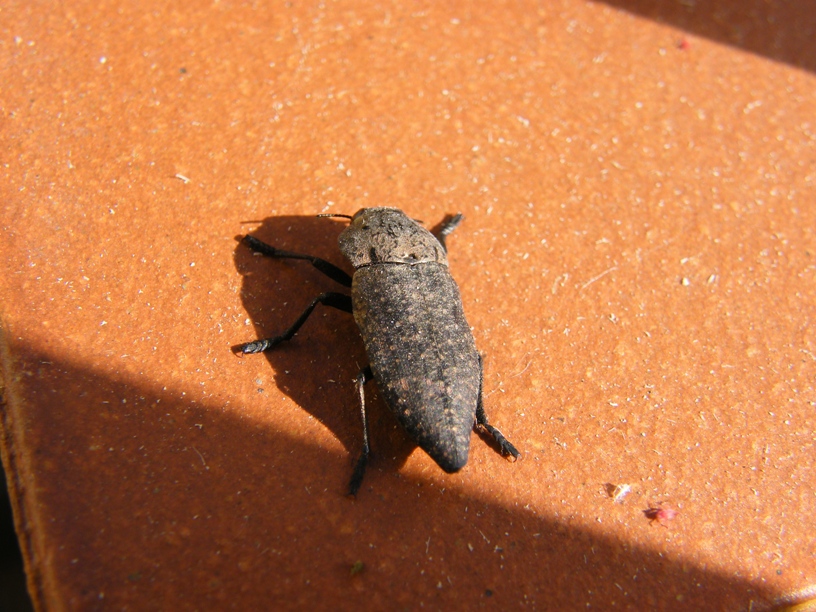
[[357, 567], [660, 513], [617, 492]]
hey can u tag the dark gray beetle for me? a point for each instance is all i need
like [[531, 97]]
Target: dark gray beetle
[[410, 315]]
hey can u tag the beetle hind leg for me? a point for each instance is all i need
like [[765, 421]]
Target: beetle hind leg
[[505, 445], [447, 227], [359, 469]]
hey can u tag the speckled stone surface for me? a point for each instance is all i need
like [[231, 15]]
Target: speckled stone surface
[[637, 261]]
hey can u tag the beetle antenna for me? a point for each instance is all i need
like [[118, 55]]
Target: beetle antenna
[[335, 215]]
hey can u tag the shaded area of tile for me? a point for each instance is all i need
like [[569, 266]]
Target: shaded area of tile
[[13, 594], [185, 506], [781, 30]]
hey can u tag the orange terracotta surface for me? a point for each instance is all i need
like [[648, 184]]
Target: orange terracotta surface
[[637, 261]]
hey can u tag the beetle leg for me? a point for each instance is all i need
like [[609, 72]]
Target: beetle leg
[[341, 301], [357, 476], [506, 446], [329, 269], [447, 227]]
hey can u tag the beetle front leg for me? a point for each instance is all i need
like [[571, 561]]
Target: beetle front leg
[[506, 446], [327, 268], [359, 470], [340, 301], [448, 227]]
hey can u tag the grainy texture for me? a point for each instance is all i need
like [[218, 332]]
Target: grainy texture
[[422, 353], [598, 165]]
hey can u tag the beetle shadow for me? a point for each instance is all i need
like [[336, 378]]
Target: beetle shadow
[[318, 367]]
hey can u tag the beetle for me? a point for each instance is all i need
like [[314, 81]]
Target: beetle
[[409, 311]]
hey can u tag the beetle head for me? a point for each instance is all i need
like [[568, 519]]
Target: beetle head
[[388, 235]]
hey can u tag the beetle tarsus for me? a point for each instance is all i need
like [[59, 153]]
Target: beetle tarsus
[[506, 446], [258, 346]]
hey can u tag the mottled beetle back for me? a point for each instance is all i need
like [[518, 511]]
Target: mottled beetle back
[[422, 354], [410, 315]]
